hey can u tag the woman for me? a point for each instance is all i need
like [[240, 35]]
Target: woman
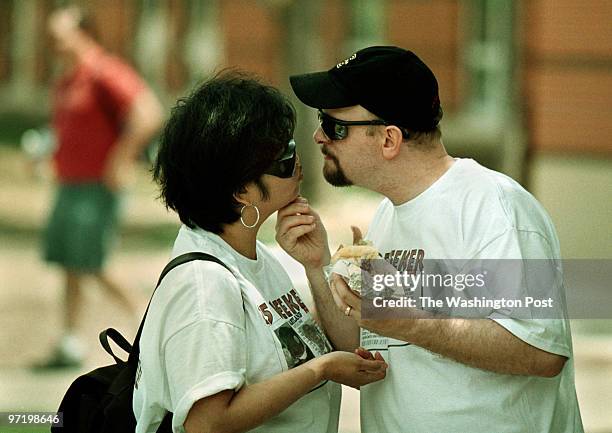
[[220, 349]]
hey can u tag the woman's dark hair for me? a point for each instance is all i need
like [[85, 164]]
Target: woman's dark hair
[[218, 140]]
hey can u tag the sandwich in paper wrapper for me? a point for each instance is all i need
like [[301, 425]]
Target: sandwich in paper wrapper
[[348, 263]]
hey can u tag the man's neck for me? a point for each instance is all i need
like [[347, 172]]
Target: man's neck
[[414, 174], [79, 55]]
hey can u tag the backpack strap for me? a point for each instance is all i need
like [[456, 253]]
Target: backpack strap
[[119, 340], [177, 261]]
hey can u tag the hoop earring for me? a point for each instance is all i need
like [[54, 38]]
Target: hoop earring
[[242, 220]]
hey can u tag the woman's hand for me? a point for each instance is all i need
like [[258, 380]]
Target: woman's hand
[[352, 369], [300, 232]]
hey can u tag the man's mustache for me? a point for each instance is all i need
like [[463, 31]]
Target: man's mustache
[[326, 152]]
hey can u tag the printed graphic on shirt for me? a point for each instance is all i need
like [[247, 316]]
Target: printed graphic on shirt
[[300, 336], [295, 350], [409, 261], [372, 341]]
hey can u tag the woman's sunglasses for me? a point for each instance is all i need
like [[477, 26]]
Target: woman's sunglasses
[[285, 165], [336, 129]]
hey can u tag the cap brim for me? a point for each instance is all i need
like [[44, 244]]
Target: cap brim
[[319, 90]]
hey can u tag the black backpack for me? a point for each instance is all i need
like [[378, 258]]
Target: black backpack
[[101, 400]]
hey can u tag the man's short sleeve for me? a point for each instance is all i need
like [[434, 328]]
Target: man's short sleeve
[[532, 257], [550, 335]]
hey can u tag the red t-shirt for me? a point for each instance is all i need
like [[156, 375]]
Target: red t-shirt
[[90, 105]]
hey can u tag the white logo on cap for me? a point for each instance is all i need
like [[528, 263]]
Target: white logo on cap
[[345, 62]]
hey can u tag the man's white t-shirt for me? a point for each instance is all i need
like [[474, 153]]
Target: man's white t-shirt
[[208, 331], [471, 212]]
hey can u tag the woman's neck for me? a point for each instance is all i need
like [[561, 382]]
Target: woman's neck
[[241, 239]]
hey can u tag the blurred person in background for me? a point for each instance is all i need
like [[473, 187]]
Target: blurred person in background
[[222, 350], [379, 115], [103, 116]]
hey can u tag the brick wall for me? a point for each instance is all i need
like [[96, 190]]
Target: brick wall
[[566, 45], [568, 73], [252, 38], [5, 40], [431, 30]]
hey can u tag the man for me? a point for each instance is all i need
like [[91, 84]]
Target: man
[[379, 112], [103, 116]]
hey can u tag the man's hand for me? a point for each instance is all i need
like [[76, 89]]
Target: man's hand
[[344, 297], [142, 121], [357, 235], [480, 343], [300, 232], [119, 174]]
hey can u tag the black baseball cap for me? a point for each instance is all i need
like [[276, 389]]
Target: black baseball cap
[[390, 82]]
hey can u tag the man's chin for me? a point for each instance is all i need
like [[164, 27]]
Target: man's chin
[[336, 178]]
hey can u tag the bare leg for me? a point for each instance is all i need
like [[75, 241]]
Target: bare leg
[[69, 351], [117, 293], [73, 300]]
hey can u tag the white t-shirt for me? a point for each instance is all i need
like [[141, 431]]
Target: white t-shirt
[[471, 212], [209, 331]]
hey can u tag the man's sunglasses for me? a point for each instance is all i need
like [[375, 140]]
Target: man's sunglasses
[[336, 129], [285, 165]]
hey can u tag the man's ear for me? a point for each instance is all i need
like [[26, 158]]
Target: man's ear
[[393, 142]]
